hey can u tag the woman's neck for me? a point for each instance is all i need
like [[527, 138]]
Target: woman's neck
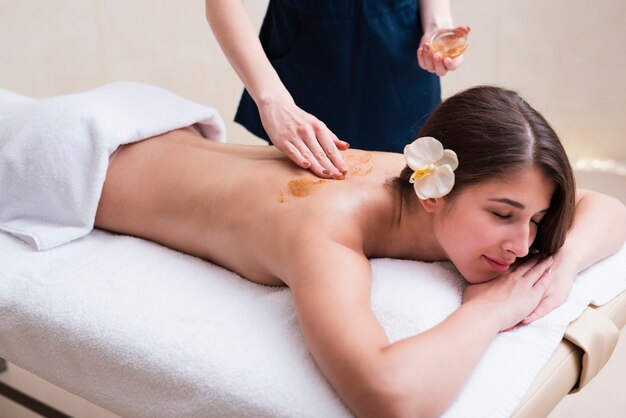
[[404, 230]]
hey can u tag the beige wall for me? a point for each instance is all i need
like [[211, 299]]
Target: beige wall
[[564, 56], [52, 47]]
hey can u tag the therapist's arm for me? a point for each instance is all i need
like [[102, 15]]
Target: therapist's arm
[[298, 134], [436, 15], [599, 230]]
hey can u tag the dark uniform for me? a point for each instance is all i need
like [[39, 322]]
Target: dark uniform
[[353, 65]]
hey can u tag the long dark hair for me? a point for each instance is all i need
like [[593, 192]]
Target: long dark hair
[[495, 132]]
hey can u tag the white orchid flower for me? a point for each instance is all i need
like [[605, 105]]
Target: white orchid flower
[[434, 167]]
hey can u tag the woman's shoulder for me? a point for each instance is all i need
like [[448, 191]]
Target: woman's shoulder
[[361, 161]]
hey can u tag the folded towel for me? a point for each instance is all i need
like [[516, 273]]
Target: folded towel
[[145, 331], [54, 152]]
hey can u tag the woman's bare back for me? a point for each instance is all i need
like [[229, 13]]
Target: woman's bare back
[[242, 207]]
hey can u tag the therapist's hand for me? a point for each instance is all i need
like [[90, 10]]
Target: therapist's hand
[[434, 62], [303, 138]]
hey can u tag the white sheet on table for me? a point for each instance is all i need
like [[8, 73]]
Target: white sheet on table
[[146, 331]]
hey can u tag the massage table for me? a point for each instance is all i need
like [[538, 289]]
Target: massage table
[[563, 373], [587, 345], [145, 331]]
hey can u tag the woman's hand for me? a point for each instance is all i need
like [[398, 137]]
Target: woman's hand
[[514, 295], [435, 62], [303, 138], [559, 288], [596, 215]]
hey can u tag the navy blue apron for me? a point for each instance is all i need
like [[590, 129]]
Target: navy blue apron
[[353, 65]]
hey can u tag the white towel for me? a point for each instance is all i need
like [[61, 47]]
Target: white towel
[[54, 152], [145, 331]]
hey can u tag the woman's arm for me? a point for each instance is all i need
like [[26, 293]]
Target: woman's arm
[[299, 135], [599, 230], [417, 376]]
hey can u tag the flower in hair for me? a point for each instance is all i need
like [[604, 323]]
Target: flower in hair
[[432, 165]]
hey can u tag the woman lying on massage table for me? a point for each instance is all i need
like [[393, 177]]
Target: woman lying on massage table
[[506, 185]]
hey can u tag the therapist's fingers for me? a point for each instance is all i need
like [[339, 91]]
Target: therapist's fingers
[[425, 59], [341, 145], [294, 154], [440, 68], [435, 62], [452, 64], [313, 164], [327, 142], [420, 57], [298, 151], [302, 137], [321, 165], [432, 61]]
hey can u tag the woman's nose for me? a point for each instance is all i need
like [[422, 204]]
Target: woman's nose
[[519, 242]]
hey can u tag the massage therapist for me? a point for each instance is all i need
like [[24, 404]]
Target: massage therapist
[[325, 71]]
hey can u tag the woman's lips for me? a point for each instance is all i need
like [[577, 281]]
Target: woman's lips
[[500, 267]]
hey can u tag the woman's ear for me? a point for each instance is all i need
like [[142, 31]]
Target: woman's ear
[[433, 204]]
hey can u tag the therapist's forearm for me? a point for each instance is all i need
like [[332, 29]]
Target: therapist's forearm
[[436, 14], [599, 230], [237, 37]]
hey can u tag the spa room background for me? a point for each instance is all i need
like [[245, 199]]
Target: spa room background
[[563, 56]]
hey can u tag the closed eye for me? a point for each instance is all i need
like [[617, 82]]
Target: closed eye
[[508, 216], [501, 215]]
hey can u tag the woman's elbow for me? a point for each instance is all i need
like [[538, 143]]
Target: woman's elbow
[[622, 210], [393, 395], [616, 211]]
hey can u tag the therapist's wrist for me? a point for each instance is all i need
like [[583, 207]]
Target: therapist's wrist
[[436, 24], [436, 14], [273, 97], [266, 87]]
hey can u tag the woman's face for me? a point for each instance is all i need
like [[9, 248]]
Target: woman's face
[[487, 226]]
